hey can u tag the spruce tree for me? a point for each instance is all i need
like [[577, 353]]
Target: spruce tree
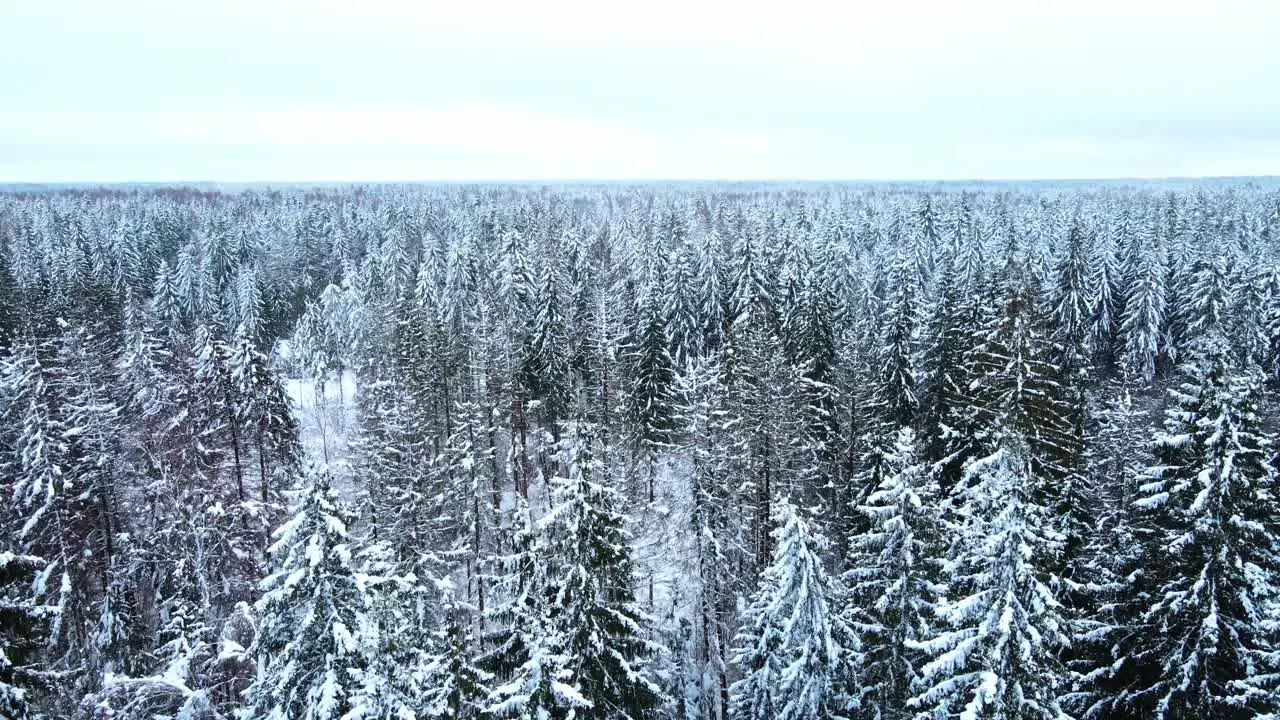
[[1104, 276], [24, 621], [545, 368], [1196, 635], [1068, 306], [946, 395], [896, 565], [526, 655], [794, 651], [459, 687], [653, 376], [313, 622], [394, 667], [898, 401], [995, 654], [592, 603], [1144, 312]]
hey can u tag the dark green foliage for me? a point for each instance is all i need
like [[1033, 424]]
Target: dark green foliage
[[1191, 636]]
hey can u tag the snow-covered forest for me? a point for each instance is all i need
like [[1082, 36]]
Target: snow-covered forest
[[624, 452]]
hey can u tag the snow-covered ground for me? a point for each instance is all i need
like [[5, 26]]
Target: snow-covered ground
[[663, 542], [327, 418]]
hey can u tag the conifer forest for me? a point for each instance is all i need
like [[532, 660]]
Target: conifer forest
[[654, 451]]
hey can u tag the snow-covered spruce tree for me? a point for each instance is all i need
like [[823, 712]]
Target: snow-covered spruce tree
[[1144, 310], [458, 687], [893, 582], [1197, 638], [313, 622], [265, 415], [1254, 285], [544, 370], [9, 298], [719, 547], [60, 474], [809, 339], [1208, 297], [1019, 388], [221, 400], [525, 655], [994, 656], [652, 401], [1103, 282], [1016, 386], [394, 464], [24, 620], [396, 649], [592, 602], [680, 308], [1185, 261], [236, 522], [898, 402], [794, 651], [893, 397], [954, 333], [1068, 304], [1270, 327], [775, 454]]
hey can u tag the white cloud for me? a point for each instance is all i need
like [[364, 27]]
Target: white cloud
[[248, 89]]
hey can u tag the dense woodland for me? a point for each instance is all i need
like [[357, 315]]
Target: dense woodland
[[689, 453]]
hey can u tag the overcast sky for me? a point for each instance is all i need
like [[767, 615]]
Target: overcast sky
[[321, 90]]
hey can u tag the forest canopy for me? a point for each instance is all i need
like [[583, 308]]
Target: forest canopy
[[603, 451]]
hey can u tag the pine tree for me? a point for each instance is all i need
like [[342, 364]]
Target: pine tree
[[795, 653]]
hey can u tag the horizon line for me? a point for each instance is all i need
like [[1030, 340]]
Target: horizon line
[[629, 181]]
